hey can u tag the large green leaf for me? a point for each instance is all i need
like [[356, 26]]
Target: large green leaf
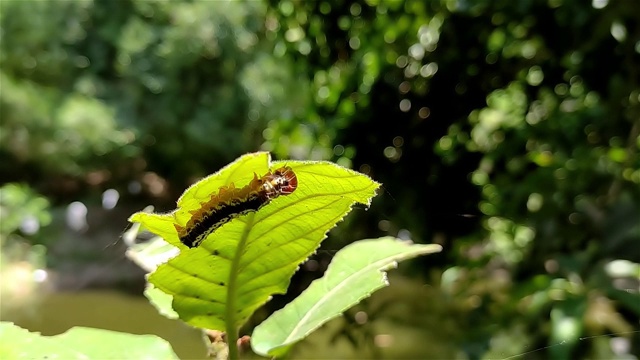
[[238, 267], [354, 274], [80, 343]]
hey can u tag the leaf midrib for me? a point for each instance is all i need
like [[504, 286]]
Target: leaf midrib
[[230, 319]]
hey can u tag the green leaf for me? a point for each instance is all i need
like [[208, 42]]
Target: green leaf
[[354, 274], [161, 301], [237, 268], [80, 343], [149, 254]]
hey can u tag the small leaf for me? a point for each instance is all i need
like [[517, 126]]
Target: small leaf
[[81, 343], [150, 254], [161, 301], [354, 274], [240, 265]]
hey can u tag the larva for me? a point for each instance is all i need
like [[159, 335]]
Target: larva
[[231, 202]]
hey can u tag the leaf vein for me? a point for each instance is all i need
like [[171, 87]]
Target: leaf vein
[[297, 261], [286, 242], [290, 218]]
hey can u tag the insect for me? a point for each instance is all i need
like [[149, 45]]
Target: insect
[[231, 202]]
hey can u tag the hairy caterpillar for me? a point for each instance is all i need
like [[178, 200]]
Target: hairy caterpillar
[[231, 202]]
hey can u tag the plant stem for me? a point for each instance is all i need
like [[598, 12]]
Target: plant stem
[[232, 342]]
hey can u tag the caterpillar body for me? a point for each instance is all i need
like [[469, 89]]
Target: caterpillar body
[[231, 202]]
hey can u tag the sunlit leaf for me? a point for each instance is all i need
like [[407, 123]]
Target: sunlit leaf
[[239, 266], [354, 274], [148, 254], [81, 343], [161, 301]]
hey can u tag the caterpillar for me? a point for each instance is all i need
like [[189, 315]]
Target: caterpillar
[[231, 202]]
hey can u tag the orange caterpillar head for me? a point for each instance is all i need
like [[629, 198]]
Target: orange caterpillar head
[[283, 181]]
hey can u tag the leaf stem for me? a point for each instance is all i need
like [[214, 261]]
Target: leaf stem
[[232, 343]]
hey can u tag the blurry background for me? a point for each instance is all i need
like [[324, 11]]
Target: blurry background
[[507, 131]]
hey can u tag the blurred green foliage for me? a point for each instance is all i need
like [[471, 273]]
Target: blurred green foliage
[[22, 209], [23, 214], [539, 102], [89, 85], [508, 131]]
